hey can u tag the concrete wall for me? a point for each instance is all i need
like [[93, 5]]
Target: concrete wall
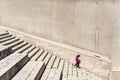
[[88, 24]]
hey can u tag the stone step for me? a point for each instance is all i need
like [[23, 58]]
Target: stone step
[[51, 74], [31, 71], [4, 33], [19, 46], [24, 48], [29, 49], [58, 75], [69, 78], [41, 58], [4, 51], [36, 56], [45, 74], [65, 69], [15, 43], [6, 39], [56, 63], [10, 41], [5, 36], [51, 62], [70, 69], [64, 78], [33, 52], [75, 73], [61, 64], [80, 73], [47, 58], [10, 65]]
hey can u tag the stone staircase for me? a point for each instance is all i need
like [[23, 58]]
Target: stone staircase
[[20, 60]]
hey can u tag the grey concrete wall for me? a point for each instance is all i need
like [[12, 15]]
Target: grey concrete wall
[[88, 24]]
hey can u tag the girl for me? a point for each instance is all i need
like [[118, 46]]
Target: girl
[[77, 60]]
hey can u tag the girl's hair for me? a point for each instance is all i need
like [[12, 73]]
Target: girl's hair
[[78, 55]]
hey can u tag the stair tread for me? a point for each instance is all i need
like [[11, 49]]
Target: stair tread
[[51, 61], [18, 46], [47, 58], [10, 41], [61, 64], [8, 64], [33, 52], [5, 36], [3, 33], [43, 56], [35, 57], [29, 49], [23, 48], [29, 71], [45, 74], [15, 43], [6, 39], [56, 63]]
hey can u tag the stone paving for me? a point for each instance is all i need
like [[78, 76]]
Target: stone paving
[[28, 62]]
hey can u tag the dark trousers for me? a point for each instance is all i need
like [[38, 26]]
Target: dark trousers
[[78, 64]]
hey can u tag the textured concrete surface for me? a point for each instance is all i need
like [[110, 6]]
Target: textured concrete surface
[[88, 24], [82, 23], [98, 65]]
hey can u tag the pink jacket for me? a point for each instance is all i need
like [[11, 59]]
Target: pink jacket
[[76, 59]]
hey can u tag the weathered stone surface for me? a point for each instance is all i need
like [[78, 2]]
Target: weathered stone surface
[[10, 65], [4, 51], [31, 71]]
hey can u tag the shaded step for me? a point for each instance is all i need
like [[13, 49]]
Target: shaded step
[[47, 58], [19, 46], [31, 71], [15, 43], [51, 74], [5, 36], [4, 33], [61, 64], [33, 52], [10, 41], [55, 74], [24, 48], [80, 74], [12, 64], [75, 73], [70, 70], [4, 51], [36, 56], [6, 39], [29, 49], [56, 63], [51, 62], [65, 70], [58, 75], [45, 74], [41, 58]]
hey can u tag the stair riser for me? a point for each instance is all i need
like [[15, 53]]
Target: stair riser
[[5, 53], [12, 71]]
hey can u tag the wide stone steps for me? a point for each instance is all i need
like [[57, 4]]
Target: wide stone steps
[[41, 58], [4, 33], [10, 65], [33, 52], [19, 46], [6, 39], [5, 36], [31, 71], [22, 49], [4, 51], [10, 41], [37, 55], [27, 62]]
